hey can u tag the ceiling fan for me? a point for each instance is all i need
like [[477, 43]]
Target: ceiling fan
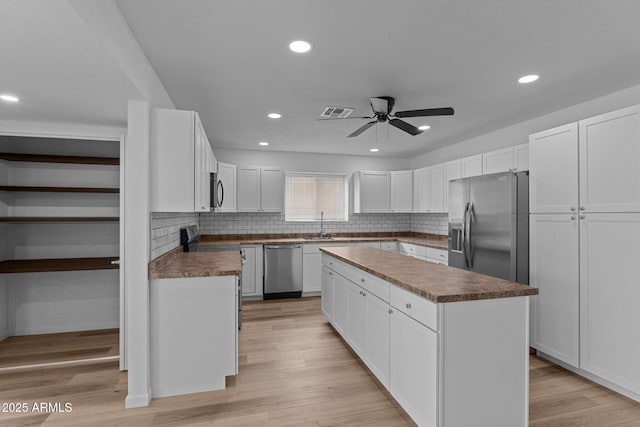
[[382, 107]]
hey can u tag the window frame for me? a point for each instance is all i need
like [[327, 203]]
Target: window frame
[[345, 178]]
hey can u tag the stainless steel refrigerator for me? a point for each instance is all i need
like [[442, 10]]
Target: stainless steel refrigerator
[[489, 225]]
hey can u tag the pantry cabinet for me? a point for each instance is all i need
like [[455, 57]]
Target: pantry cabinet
[[260, 189], [180, 160], [585, 225]]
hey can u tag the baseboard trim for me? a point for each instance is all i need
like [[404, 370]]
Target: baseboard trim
[[46, 329], [139, 401], [591, 377], [4, 335], [65, 362]]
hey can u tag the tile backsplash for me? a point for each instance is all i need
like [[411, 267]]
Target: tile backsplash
[[259, 223], [165, 227], [165, 230]]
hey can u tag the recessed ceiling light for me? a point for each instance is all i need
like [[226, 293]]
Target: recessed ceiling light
[[274, 115], [528, 79], [300, 46], [264, 143], [374, 150], [9, 98], [424, 127]]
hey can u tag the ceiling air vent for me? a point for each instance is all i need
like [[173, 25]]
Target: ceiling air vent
[[336, 112]]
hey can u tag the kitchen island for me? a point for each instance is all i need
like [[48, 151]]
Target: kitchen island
[[193, 321], [451, 346]]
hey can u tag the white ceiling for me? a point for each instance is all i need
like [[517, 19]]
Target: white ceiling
[[229, 61], [60, 71]]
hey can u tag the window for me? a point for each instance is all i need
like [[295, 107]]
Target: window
[[306, 195]]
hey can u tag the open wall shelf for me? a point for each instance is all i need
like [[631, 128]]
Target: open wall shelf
[[22, 188], [46, 158], [57, 264], [59, 219]]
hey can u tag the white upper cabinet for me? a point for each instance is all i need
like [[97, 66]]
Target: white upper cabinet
[[610, 162], [452, 170], [471, 166], [497, 161], [226, 191], [421, 190], [371, 192], [521, 157], [401, 191], [553, 178], [259, 189], [436, 188], [179, 162]]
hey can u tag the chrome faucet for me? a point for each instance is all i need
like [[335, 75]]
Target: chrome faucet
[[322, 224]]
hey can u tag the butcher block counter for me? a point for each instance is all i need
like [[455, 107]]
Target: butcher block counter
[[450, 346]]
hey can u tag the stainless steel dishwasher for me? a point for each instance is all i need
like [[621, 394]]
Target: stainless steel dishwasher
[[282, 271]]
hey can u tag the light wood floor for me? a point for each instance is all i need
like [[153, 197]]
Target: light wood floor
[[294, 370], [47, 348]]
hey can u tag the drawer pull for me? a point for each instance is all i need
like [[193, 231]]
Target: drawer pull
[[364, 294], [408, 305], [362, 280], [331, 273], [390, 311]]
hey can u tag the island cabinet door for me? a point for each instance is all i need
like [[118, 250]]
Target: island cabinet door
[[357, 319], [377, 338], [327, 293], [341, 304], [413, 377]]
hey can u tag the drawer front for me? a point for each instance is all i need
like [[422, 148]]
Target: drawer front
[[412, 249], [439, 254], [314, 248], [414, 306], [389, 246], [369, 282]]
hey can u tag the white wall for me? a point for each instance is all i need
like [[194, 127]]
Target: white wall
[[519, 133], [309, 162]]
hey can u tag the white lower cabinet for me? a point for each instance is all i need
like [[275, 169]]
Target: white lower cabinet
[[252, 271], [357, 325], [341, 304], [377, 337], [414, 368]]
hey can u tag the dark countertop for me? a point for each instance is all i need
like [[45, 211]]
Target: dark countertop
[[438, 283], [177, 264]]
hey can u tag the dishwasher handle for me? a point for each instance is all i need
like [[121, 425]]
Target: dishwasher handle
[[282, 246]]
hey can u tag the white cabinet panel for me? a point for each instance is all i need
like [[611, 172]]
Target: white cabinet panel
[[389, 246], [372, 192], [610, 162], [554, 270], [377, 338], [328, 289], [413, 379], [271, 188], [341, 304], [252, 271], [248, 195], [436, 188], [311, 264], [401, 191], [226, 187], [421, 190], [609, 296], [497, 161], [452, 170], [357, 327], [553, 177], [471, 166], [521, 157]]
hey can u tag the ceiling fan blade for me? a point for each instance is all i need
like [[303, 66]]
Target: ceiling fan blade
[[447, 111], [362, 129], [402, 125]]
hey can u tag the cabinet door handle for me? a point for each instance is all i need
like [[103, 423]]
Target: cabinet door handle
[[330, 273], [390, 311], [408, 305], [583, 216], [581, 208], [573, 217], [573, 208], [362, 280]]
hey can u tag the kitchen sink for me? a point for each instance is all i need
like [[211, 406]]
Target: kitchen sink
[[317, 238]]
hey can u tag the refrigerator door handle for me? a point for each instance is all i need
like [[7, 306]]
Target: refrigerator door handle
[[464, 235], [470, 231]]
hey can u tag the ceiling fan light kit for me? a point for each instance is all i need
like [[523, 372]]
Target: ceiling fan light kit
[[382, 107]]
